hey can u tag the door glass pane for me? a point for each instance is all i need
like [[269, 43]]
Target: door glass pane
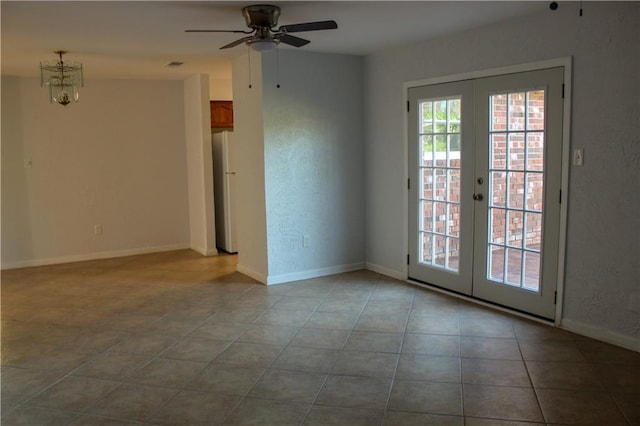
[[516, 188], [440, 165]]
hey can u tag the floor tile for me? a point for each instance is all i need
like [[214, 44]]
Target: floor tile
[[250, 354], [268, 334], [579, 407], [431, 344], [219, 331], [19, 384], [35, 416], [429, 368], [390, 323], [398, 418], [620, 378], [373, 341], [628, 404], [481, 327], [167, 372], [112, 365], [266, 412], [332, 320], [196, 408], [355, 392], [144, 344], [487, 347], [285, 385], [595, 351], [74, 393], [304, 304], [564, 375], [132, 402], [295, 318], [196, 349], [306, 359], [433, 325], [498, 372], [370, 364], [473, 421], [320, 338], [226, 378], [342, 305], [551, 350], [334, 416], [501, 402], [237, 315], [426, 397]]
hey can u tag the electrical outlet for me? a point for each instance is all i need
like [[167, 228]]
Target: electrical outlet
[[578, 157], [305, 241], [97, 229]]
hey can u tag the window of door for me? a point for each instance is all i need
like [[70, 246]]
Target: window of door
[[485, 157]]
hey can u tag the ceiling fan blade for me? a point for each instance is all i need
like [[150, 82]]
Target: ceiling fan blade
[[291, 40], [218, 31], [237, 42], [309, 26]]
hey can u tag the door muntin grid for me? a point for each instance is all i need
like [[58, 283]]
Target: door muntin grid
[[440, 174], [516, 188]]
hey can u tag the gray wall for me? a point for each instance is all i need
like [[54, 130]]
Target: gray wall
[[314, 165], [602, 274], [311, 180]]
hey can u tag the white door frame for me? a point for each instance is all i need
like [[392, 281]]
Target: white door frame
[[565, 62]]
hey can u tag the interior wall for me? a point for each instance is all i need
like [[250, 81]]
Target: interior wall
[[220, 89], [250, 183], [115, 159], [602, 282], [199, 165], [314, 166]]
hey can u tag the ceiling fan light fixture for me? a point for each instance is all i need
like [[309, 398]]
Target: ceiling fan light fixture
[[262, 45]]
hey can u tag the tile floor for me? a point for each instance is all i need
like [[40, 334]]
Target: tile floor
[[175, 338]]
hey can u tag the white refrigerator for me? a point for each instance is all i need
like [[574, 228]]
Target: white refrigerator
[[224, 184]]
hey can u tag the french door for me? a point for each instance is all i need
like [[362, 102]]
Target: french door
[[484, 193]]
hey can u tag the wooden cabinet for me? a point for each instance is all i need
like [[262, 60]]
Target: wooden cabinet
[[221, 114]]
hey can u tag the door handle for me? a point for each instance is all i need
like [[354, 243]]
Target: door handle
[[478, 197], [230, 173]]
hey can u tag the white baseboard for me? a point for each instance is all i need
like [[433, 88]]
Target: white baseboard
[[385, 271], [91, 256], [205, 252], [251, 273], [313, 273], [603, 334]]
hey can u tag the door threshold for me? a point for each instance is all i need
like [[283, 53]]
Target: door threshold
[[494, 306]]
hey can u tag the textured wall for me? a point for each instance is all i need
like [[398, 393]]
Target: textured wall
[[603, 239], [116, 158], [313, 161]]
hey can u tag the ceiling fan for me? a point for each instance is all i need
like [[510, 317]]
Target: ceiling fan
[[263, 35]]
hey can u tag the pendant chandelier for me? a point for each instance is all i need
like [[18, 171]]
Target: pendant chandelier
[[62, 79]]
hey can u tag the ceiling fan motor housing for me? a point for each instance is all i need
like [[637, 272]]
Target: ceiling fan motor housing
[[261, 15]]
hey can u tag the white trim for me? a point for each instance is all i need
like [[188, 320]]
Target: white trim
[[564, 206], [251, 273], [602, 334], [205, 252], [92, 256], [398, 275], [313, 273], [565, 62]]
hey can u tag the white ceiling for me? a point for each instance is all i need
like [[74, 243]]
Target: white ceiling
[[136, 39]]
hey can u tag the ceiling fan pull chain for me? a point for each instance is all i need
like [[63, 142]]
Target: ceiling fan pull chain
[[277, 68], [249, 56]]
